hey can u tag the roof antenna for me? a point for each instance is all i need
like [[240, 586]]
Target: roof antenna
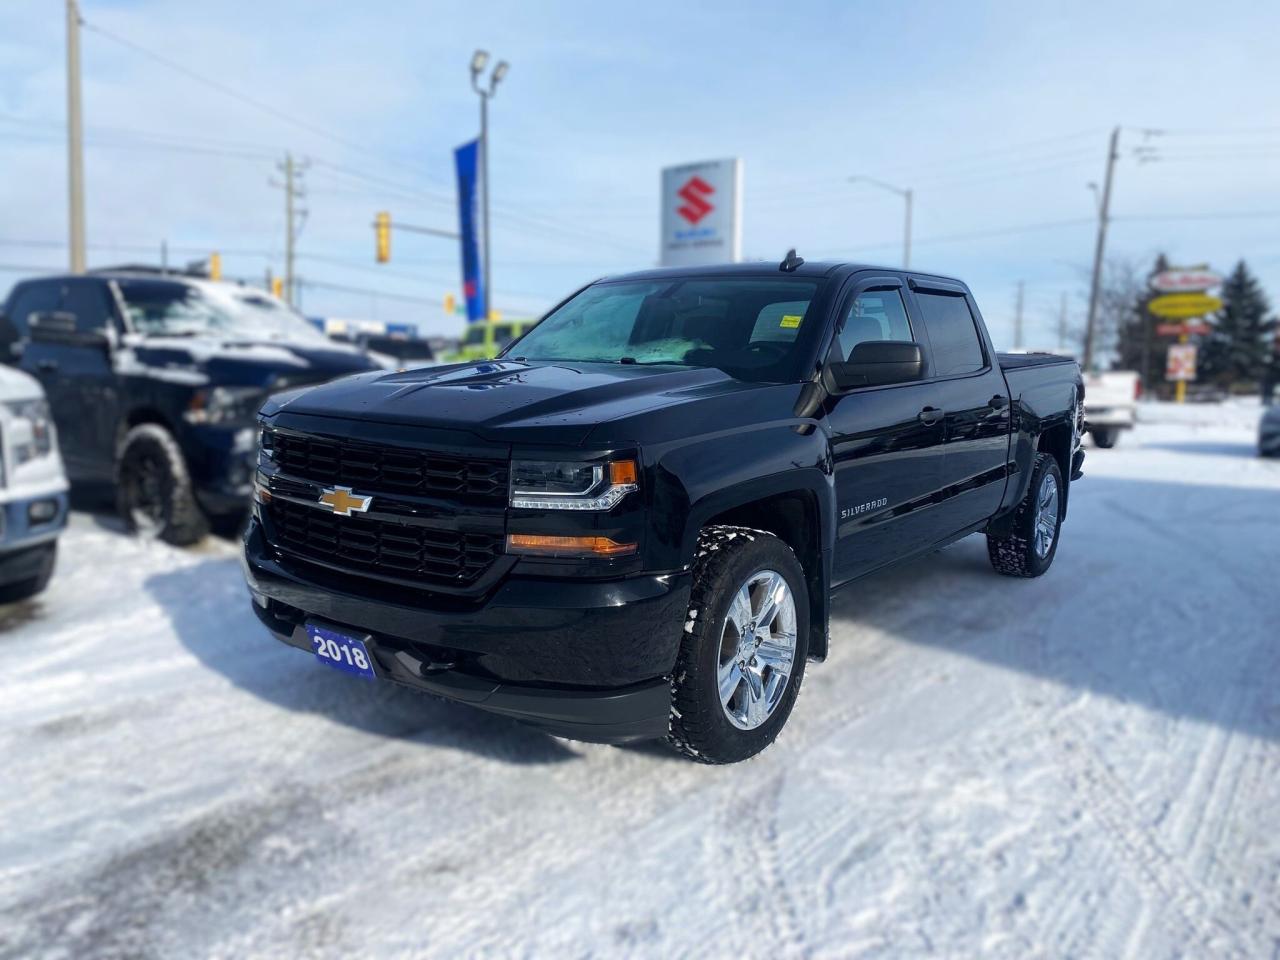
[[790, 261]]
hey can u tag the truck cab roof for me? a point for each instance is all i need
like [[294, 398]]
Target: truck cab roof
[[813, 269]]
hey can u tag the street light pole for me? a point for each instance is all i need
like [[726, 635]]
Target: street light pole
[[906, 234], [478, 61], [907, 196]]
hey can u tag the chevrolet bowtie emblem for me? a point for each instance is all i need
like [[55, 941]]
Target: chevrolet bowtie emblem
[[343, 502]]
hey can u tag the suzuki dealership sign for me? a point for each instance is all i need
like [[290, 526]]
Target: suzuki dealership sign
[[702, 213]]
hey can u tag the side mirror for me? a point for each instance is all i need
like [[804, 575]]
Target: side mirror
[[59, 327], [875, 363]]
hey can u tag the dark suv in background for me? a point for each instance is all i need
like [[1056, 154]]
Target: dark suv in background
[[154, 380]]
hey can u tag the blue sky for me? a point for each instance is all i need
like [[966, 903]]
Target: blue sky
[[995, 113]]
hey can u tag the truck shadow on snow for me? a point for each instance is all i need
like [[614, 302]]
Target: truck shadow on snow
[[208, 606], [1162, 595], [1208, 448]]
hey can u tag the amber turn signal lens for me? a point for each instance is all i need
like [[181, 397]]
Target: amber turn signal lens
[[622, 471], [567, 546]]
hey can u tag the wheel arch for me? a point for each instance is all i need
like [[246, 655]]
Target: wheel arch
[[801, 518], [136, 417]]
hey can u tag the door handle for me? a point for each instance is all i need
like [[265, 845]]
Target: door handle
[[46, 366], [930, 415], [998, 402]]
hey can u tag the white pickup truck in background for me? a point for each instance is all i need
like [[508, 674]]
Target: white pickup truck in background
[[33, 487], [1110, 404]]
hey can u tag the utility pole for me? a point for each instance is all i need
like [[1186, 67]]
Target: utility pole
[[294, 217], [75, 142], [1104, 212], [1017, 319], [1062, 324]]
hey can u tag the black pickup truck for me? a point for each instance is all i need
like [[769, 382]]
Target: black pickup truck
[[629, 524], [154, 380]]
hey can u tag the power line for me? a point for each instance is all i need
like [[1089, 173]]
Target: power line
[[223, 88]]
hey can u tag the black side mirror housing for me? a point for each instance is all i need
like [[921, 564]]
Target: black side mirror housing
[[876, 363], [59, 327]]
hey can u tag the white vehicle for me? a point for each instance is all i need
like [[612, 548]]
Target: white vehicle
[[33, 487], [1110, 403]]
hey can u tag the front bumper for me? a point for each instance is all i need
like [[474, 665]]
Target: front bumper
[[222, 461], [18, 530], [584, 659]]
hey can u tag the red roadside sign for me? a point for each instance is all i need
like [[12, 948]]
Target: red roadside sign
[[1177, 329]]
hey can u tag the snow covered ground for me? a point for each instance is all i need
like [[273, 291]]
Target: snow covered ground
[[1082, 765]]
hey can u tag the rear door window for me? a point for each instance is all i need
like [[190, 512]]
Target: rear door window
[[953, 335]]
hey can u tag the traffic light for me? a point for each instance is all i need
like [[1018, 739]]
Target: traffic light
[[450, 305], [277, 287], [215, 266], [382, 234]]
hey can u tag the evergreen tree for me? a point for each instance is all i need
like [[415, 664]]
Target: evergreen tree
[[1239, 346]]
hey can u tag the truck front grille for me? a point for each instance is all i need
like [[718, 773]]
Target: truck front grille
[[374, 468], [379, 548]]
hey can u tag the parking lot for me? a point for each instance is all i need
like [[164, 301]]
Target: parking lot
[[1086, 764]]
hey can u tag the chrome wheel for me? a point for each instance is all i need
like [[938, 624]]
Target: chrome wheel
[[1046, 515], [757, 649]]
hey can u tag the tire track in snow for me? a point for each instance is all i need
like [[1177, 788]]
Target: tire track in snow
[[1149, 864]]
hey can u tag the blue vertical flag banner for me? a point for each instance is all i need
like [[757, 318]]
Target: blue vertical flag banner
[[466, 159]]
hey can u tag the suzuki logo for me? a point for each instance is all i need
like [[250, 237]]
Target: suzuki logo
[[343, 502], [692, 193]]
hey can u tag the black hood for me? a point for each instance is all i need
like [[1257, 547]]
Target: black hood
[[272, 364], [556, 403]]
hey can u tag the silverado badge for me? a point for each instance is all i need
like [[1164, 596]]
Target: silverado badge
[[343, 502]]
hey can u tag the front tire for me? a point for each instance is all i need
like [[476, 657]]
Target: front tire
[[153, 488], [743, 652], [1030, 547]]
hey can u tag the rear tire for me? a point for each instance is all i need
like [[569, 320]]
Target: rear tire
[[746, 635], [1032, 543], [1105, 437], [153, 488]]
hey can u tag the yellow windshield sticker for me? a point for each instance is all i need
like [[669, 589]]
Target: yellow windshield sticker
[[790, 321]]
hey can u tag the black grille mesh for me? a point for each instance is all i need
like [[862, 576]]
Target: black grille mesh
[[373, 468], [382, 548]]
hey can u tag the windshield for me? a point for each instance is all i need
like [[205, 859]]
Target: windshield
[[746, 327], [165, 308]]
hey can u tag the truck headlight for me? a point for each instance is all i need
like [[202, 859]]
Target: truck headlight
[[32, 433], [225, 405], [566, 485]]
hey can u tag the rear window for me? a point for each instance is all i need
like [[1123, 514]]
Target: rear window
[[40, 297], [952, 334]]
